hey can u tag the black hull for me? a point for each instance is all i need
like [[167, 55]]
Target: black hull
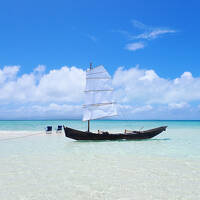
[[135, 135]]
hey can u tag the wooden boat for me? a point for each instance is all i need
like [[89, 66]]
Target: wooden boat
[[99, 104], [134, 135]]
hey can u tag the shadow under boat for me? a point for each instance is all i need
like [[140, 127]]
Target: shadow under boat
[[134, 135], [124, 140]]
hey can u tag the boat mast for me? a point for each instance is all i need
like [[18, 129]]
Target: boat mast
[[88, 125], [89, 120]]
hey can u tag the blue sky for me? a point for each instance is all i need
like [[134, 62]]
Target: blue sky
[[162, 36]]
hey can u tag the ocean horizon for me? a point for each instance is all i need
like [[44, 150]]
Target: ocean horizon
[[110, 124]]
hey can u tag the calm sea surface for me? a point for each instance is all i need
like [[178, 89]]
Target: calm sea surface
[[36, 166]]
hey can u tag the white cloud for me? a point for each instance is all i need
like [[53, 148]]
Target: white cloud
[[187, 75], [148, 33], [149, 75], [180, 105], [40, 68], [142, 109], [92, 37], [141, 93], [133, 108], [154, 33], [139, 25], [42, 111], [58, 110], [61, 85], [138, 85], [8, 73], [135, 46]]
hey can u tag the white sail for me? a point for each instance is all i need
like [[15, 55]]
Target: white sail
[[98, 95]]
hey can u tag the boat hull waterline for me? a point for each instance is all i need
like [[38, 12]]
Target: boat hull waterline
[[134, 135]]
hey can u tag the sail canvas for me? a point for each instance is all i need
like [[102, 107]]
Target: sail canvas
[[98, 95]]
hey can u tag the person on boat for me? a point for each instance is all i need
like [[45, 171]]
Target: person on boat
[[100, 132]]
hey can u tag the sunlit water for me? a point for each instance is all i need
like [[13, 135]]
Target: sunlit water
[[50, 167]]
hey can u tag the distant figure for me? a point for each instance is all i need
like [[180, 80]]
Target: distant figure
[[99, 132], [48, 129], [59, 129]]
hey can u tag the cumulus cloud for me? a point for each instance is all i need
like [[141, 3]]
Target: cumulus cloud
[[62, 85], [147, 87], [40, 68], [8, 73], [140, 93]]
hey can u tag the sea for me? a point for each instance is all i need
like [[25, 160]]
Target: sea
[[39, 166]]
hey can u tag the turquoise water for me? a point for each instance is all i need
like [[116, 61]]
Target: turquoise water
[[181, 139], [117, 125], [40, 166]]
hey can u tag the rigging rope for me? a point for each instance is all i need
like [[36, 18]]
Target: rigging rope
[[12, 138]]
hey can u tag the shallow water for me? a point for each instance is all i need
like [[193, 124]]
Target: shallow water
[[54, 167]]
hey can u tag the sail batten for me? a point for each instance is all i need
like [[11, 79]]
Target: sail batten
[[95, 73], [98, 95], [98, 104]]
